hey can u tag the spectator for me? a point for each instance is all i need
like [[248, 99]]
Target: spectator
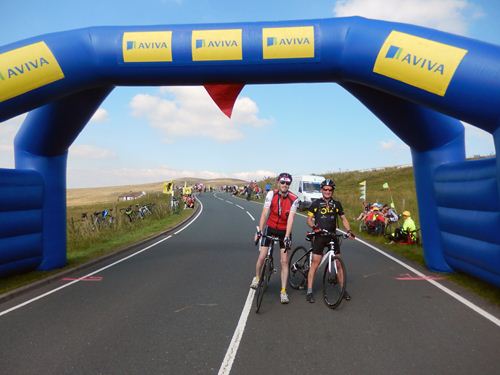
[[408, 229]]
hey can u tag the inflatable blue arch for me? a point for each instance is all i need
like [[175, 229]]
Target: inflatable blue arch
[[419, 82]]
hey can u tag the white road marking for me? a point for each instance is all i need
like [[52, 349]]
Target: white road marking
[[99, 270], [237, 205], [227, 363], [229, 202], [450, 292], [251, 217], [192, 221]]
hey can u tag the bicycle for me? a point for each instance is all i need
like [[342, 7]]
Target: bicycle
[[334, 275], [266, 272]]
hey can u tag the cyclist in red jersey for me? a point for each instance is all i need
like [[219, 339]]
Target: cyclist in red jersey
[[277, 217]]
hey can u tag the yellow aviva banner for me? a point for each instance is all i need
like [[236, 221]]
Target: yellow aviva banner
[[147, 46], [27, 68], [288, 42], [419, 62], [213, 45]]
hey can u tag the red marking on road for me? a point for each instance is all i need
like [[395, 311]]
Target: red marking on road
[[89, 278], [407, 276]]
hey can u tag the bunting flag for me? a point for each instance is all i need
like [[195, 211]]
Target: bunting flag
[[224, 95], [386, 186], [186, 190], [168, 187], [362, 190]]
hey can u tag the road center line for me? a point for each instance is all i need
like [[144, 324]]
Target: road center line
[[237, 205], [251, 217]]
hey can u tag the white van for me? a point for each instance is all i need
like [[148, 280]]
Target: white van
[[307, 188]]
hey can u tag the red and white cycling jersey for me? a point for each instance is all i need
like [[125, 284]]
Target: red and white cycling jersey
[[280, 207]]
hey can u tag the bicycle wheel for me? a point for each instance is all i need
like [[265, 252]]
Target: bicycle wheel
[[334, 282], [263, 281], [298, 268]]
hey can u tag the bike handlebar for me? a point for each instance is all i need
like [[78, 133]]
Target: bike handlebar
[[324, 232]]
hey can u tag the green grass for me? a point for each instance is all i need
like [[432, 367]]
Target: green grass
[[85, 244]]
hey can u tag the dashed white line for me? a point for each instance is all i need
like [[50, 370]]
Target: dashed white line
[[237, 205], [229, 202], [251, 217]]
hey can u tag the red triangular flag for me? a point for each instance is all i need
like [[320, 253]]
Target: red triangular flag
[[224, 95]]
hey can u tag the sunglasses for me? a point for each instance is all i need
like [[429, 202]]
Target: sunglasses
[[285, 183], [327, 189]]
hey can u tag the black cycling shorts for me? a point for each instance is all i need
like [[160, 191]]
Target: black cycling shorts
[[266, 242], [320, 242]]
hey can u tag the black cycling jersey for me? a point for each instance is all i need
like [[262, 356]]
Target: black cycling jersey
[[325, 213]]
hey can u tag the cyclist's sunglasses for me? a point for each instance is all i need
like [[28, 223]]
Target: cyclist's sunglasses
[[327, 189], [284, 182]]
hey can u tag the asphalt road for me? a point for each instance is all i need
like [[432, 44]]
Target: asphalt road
[[174, 307]]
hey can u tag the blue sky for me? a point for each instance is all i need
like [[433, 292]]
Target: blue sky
[[150, 134]]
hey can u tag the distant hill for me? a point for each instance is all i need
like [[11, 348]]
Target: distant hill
[[84, 196]]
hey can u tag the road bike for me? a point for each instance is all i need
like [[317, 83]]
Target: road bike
[[266, 271], [334, 275]]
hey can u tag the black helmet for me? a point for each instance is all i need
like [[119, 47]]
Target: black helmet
[[328, 182], [284, 176]]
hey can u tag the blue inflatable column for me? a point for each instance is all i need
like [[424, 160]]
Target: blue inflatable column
[[434, 139], [424, 166], [42, 144], [496, 138], [53, 171]]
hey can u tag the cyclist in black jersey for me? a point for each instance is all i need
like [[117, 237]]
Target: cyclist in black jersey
[[323, 214]]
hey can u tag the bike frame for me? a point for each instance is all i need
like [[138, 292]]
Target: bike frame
[[329, 255]]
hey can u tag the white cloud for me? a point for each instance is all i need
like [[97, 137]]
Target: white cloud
[[90, 177], [254, 175], [8, 130], [192, 113], [7, 148], [90, 152], [393, 145], [165, 172], [447, 15], [387, 145], [475, 132], [478, 141], [100, 115]]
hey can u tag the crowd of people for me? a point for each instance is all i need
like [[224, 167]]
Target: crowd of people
[[250, 191], [382, 219]]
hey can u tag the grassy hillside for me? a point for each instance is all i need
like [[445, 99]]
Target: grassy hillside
[[401, 183]]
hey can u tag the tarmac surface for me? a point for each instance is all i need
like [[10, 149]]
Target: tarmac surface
[[174, 306]]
